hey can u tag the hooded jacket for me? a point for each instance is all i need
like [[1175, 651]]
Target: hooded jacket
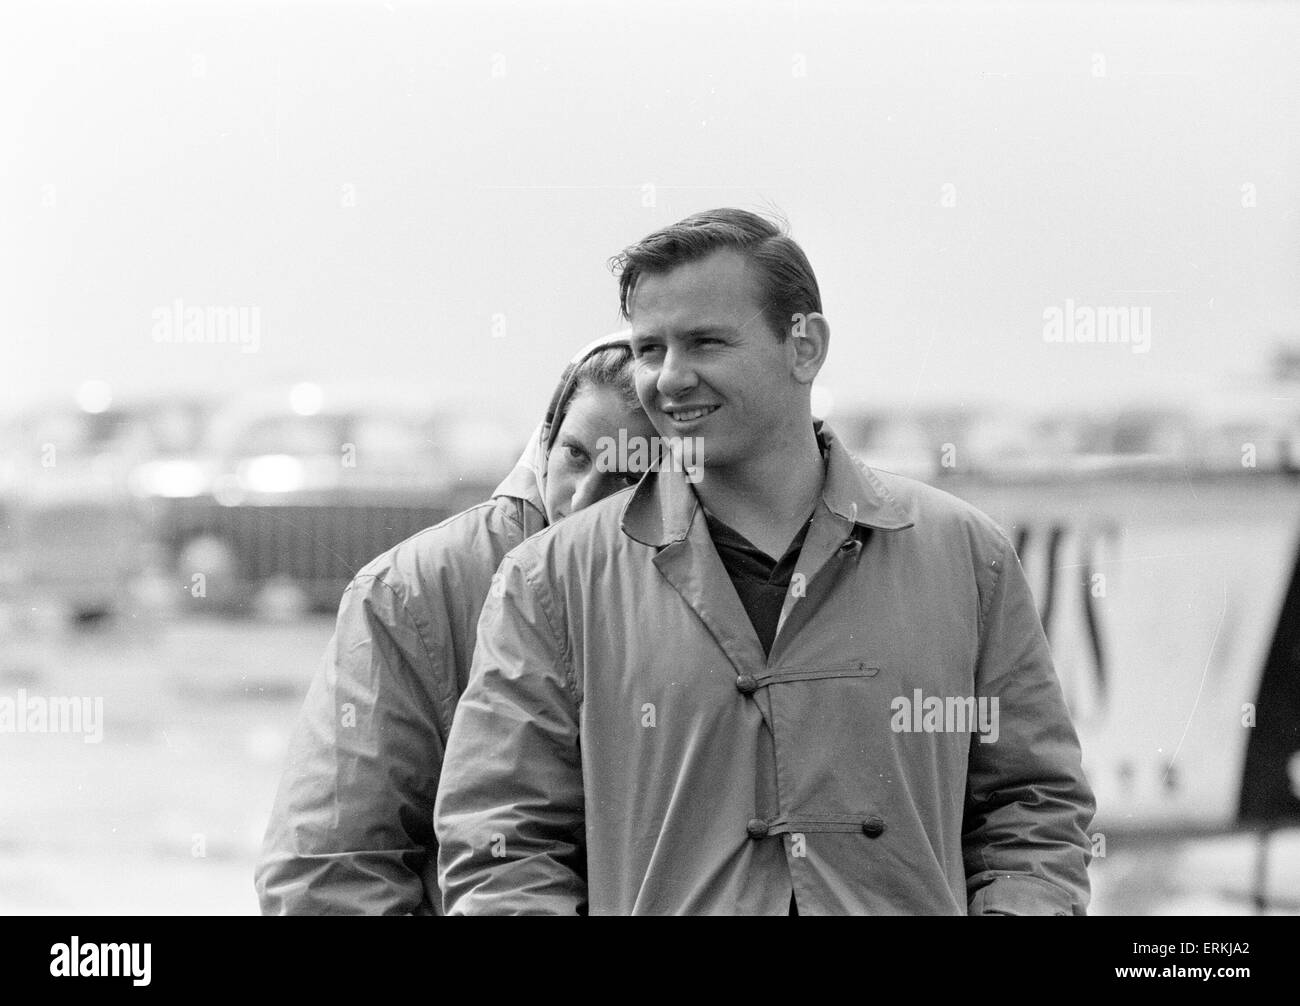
[[351, 830], [626, 747]]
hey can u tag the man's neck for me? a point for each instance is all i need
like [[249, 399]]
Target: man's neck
[[770, 498]]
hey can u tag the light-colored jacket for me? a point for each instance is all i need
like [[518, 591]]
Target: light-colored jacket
[[625, 747], [351, 831]]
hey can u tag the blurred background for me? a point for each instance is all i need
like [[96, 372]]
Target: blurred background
[[282, 283]]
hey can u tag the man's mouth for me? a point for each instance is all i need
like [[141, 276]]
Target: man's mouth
[[691, 414]]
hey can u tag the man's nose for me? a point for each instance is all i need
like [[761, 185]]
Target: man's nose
[[676, 376]]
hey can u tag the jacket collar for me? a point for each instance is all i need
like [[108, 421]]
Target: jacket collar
[[663, 506]]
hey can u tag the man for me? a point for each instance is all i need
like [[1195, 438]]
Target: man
[[793, 684]]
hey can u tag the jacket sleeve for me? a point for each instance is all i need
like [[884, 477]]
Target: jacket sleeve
[[509, 816], [1028, 804], [351, 831]]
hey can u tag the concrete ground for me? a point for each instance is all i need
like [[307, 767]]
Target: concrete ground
[[165, 814]]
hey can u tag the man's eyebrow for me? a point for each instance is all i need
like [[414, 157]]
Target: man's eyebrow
[[687, 333]]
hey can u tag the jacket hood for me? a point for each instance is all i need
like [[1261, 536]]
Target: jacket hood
[[527, 480]]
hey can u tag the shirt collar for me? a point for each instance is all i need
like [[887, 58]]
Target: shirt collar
[[663, 506]]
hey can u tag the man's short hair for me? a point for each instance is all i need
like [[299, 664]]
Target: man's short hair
[[787, 285]]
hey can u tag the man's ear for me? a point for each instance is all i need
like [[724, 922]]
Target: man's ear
[[810, 339]]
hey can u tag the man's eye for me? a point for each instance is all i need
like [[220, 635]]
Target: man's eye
[[644, 351], [576, 454]]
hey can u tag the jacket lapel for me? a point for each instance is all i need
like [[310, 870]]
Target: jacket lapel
[[853, 502], [665, 513], [693, 568]]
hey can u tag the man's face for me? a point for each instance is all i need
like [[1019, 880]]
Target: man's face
[[708, 365], [573, 478]]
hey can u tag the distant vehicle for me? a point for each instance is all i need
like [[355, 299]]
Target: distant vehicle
[[1163, 550], [1224, 432], [295, 491], [71, 532], [935, 444], [892, 439]]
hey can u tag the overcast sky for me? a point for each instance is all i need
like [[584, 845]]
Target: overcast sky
[[426, 195]]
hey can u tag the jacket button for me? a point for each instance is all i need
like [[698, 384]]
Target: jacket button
[[873, 827], [757, 828], [746, 684]]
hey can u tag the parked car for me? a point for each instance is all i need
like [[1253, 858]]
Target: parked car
[[72, 533]]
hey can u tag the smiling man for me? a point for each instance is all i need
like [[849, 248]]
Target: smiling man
[[686, 699]]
